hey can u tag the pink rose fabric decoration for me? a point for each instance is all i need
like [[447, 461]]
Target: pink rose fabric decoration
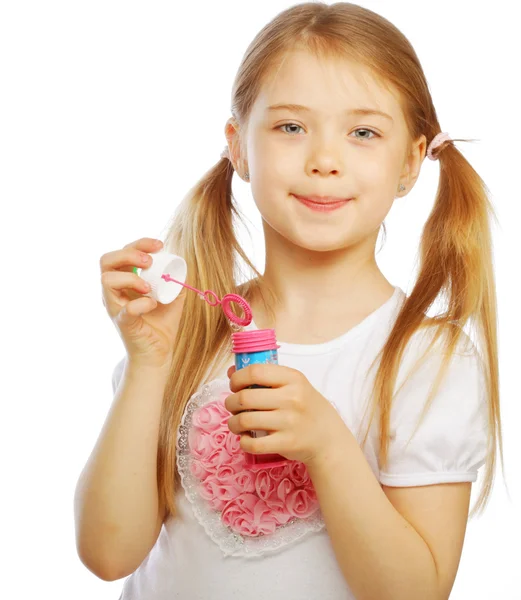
[[245, 511], [245, 497], [211, 417]]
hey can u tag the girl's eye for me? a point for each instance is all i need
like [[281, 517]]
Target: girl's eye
[[288, 125], [365, 137]]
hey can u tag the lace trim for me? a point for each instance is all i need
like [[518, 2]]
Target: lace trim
[[229, 541]]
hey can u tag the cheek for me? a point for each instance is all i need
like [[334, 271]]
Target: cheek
[[270, 191], [372, 207], [272, 207], [375, 169], [377, 182], [274, 175], [276, 166]]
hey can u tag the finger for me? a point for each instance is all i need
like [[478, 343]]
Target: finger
[[126, 260], [266, 375], [231, 370], [145, 244], [118, 281], [268, 444], [264, 420], [136, 308], [255, 399], [135, 254]]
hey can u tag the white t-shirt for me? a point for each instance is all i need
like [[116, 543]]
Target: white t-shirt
[[194, 557]]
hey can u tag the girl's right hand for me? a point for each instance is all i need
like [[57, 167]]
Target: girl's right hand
[[148, 328]]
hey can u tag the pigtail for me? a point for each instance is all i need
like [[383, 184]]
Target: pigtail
[[203, 233], [456, 264]]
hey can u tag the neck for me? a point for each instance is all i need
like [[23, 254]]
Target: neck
[[320, 288]]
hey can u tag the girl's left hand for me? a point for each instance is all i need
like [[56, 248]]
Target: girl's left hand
[[302, 424]]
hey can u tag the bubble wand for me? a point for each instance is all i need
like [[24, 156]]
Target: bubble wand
[[168, 267]]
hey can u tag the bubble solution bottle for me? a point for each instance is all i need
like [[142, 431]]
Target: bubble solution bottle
[[257, 347]]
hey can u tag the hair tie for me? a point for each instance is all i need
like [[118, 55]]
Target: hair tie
[[225, 153], [437, 141]]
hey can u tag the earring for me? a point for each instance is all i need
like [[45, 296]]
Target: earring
[[247, 176], [401, 188]]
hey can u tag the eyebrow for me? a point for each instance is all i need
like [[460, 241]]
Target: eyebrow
[[353, 111]]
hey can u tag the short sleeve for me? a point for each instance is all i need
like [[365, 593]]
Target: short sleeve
[[117, 373], [450, 444]]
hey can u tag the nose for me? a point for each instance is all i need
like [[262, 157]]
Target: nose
[[325, 159], [325, 171]]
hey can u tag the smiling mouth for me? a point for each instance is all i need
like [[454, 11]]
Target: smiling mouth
[[322, 206]]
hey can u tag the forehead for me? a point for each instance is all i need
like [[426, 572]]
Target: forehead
[[328, 87]]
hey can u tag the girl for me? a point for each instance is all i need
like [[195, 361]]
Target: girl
[[384, 414]]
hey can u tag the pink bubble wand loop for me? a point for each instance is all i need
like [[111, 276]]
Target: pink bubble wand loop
[[225, 302]]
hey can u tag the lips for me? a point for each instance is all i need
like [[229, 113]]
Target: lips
[[322, 199], [322, 206]]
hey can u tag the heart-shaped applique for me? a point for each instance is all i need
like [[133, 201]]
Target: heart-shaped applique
[[245, 512]]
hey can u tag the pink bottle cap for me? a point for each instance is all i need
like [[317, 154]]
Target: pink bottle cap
[[257, 340]]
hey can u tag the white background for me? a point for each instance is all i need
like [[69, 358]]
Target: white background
[[109, 112]]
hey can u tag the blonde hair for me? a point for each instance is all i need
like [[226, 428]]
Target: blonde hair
[[455, 249]]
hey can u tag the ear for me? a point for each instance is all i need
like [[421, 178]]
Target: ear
[[231, 131], [413, 162]]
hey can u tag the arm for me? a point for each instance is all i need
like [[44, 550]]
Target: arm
[[390, 543], [117, 515]]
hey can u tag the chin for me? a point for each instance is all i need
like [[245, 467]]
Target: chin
[[312, 238], [320, 244]]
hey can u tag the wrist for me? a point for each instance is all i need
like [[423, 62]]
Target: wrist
[[139, 367], [334, 451]]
